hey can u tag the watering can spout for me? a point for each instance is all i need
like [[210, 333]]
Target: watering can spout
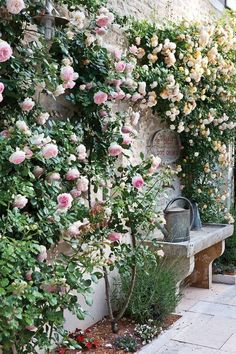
[[164, 231]]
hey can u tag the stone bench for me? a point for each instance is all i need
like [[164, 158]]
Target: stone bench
[[193, 259]]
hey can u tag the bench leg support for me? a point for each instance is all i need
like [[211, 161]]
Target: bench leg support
[[202, 274]]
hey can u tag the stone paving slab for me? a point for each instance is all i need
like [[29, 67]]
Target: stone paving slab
[[207, 326]]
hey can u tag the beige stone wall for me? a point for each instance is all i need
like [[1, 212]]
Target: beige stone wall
[[162, 10]]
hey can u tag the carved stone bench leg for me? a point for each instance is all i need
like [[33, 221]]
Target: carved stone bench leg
[[202, 274]]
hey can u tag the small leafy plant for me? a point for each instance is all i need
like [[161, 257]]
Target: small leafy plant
[[146, 332], [127, 343], [83, 339]]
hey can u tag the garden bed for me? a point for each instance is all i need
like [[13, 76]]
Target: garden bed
[[101, 332]]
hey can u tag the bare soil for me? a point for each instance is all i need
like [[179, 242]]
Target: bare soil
[[101, 331]]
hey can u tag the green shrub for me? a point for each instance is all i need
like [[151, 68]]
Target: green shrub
[[228, 260], [154, 296], [127, 343]]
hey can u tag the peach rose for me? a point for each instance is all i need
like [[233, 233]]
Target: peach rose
[[27, 104]]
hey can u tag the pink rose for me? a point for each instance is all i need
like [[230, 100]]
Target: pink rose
[[68, 74], [103, 114], [102, 21], [136, 96], [138, 182], [133, 49], [115, 149], [17, 157], [38, 171], [69, 85], [120, 66], [156, 161], [82, 184], [54, 176], [49, 151], [5, 133], [115, 236], [101, 31], [42, 118], [126, 139], [127, 129], [81, 151], [27, 104], [28, 152], [5, 51], [64, 201], [31, 328], [72, 174], [20, 201], [100, 97], [42, 256], [73, 138], [129, 67], [117, 54], [15, 6], [75, 193], [21, 125], [2, 87]]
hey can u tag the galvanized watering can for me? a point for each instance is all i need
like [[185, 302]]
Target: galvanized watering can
[[178, 221]]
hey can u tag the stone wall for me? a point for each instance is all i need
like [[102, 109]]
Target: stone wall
[[161, 10], [158, 10]]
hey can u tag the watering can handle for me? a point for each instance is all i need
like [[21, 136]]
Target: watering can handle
[[189, 203]]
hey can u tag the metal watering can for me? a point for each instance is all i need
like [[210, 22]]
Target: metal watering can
[[179, 221]]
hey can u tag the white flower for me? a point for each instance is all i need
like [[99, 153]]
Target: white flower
[[59, 91]]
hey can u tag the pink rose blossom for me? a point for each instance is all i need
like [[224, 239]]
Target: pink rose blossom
[[68, 74], [156, 161], [115, 236], [115, 149], [38, 171], [101, 31], [117, 54], [42, 256], [28, 152], [100, 97], [69, 85], [5, 51], [127, 129], [82, 184], [64, 201], [136, 96], [138, 182], [31, 328], [129, 67], [54, 176], [20, 201], [1, 97], [120, 66], [15, 6], [5, 133], [102, 21], [49, 151], [42, 118], [27, 104], [73, 138], [103, 114], [75, 193], [133, 49], [81, 151], [28, 275], [72, 174], [21, 125], [2, 87], [127, 140], [17, 157]]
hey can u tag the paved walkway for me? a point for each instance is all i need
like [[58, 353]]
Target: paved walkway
[[208, 325]]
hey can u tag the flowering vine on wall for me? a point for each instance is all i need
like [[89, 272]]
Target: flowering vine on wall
[[187, 73], [66, 181]]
